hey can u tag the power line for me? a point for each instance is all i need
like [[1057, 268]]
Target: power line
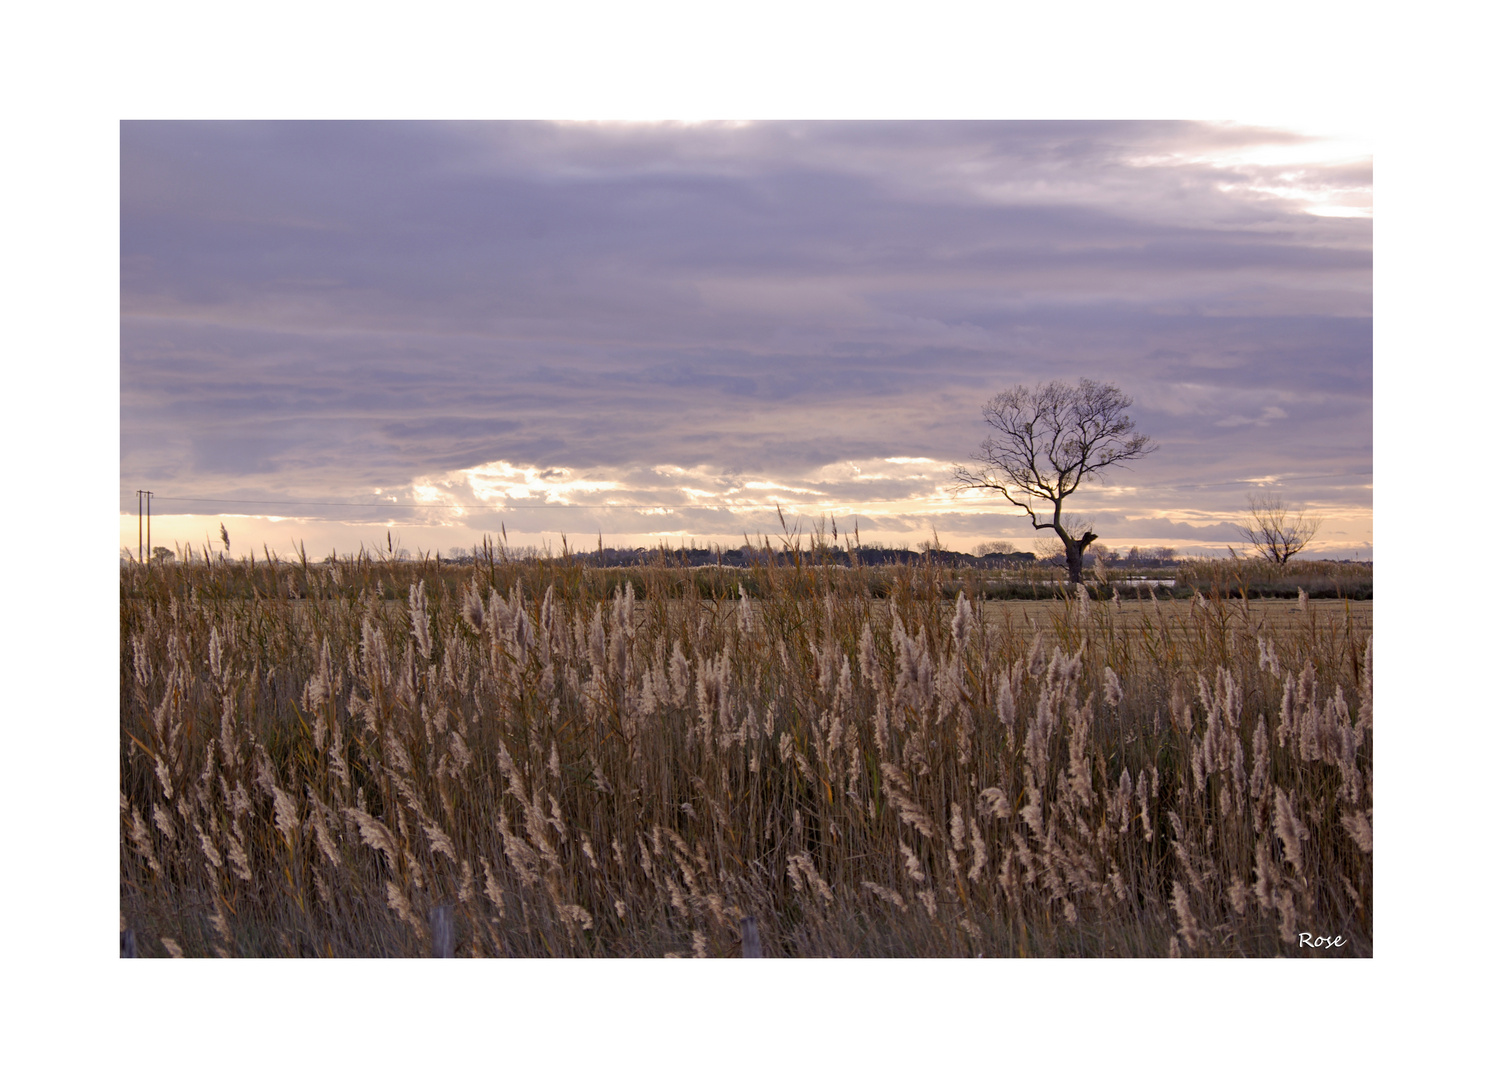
[[460, 506], [501, 509]]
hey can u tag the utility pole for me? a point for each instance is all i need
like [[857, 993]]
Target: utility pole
[[142, 522]]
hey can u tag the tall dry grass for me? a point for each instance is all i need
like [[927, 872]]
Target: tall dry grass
[[315, 758]]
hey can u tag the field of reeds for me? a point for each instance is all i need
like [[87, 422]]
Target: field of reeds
[[394, 758]]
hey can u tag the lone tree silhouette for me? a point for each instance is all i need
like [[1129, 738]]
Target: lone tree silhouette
[[1047, 442], [1274, 532]]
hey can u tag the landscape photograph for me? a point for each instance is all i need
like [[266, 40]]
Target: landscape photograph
[[783, 539]]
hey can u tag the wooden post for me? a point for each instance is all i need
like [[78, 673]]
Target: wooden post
[[127, 945], [751, 943], [442, 933]]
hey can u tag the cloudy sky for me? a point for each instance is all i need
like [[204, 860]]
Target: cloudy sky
[[331, 332]]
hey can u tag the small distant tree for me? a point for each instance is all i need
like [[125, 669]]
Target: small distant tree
[[1046, 443], [1051, 551], [1275, 532], [996, 547], [162, 554]]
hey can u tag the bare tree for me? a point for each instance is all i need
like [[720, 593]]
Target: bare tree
[[1047, 442], [1274, 532], [1051, 550]]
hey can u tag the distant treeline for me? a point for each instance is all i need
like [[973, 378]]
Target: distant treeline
[[749, 556], [718, 573], [746, 557], [834, 555]]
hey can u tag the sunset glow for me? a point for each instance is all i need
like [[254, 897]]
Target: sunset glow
[[587, 329]]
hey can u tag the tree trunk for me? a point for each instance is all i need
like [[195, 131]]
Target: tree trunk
[[1075, 562], [1074, 550]]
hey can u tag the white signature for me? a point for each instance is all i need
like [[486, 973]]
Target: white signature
[[1307, 941]]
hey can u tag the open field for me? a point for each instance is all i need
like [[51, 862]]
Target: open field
[[544, 760]]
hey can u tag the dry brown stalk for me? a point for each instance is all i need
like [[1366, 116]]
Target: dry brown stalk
[[621, 762]]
